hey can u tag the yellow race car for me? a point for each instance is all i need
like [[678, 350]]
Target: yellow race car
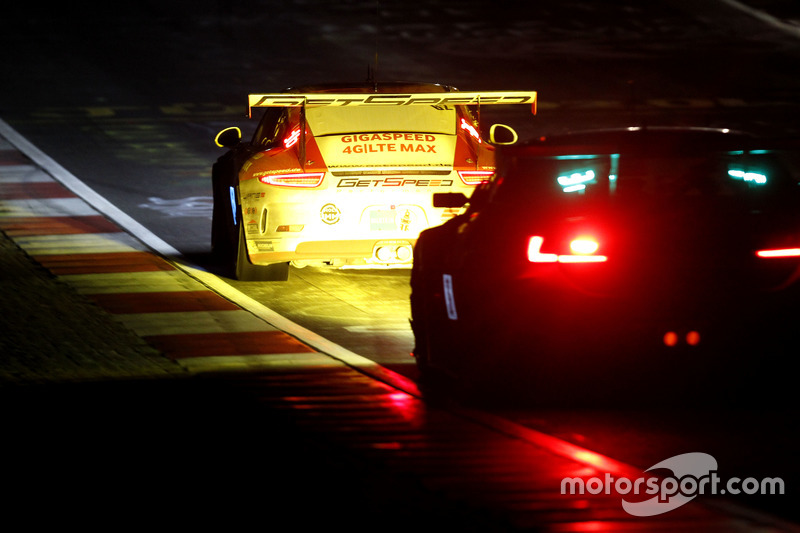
[[343, 176]]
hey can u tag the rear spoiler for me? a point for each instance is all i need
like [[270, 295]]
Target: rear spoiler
[[388, 99]]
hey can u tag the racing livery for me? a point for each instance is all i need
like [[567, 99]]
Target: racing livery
[[343, 176]]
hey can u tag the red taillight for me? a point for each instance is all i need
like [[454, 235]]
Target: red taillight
[[779, 252], [475, 177], [304, 179], [582, 259], [583, 249], [472, 130], [292, 138], [584, 246], [535, 254]]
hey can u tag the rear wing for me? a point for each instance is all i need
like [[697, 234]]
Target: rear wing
[[390, 99]]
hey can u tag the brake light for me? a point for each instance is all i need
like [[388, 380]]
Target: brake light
[[472, 130], [535, 254], [300, 179], [582, 258], [584, 246], [779, 252], [292, 138], [475, 177], [583, 249]]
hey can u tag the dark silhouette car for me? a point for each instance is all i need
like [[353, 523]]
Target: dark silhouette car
[[654, 260]]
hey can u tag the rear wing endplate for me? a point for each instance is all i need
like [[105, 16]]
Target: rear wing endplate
[[391, 99]]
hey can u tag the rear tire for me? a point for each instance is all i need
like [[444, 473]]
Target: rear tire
[[224, 230], [247, 271], [425, 315], [431, 381]]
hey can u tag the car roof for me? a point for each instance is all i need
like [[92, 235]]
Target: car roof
[[639, 140]]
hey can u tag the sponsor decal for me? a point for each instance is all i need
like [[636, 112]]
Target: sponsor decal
[[406, 220], [272, 172], [373, 143], [382, 220], [391, 219], [252, 196], [366, 137], [330, 214], [264, 246], [388, 147], [393, 182]]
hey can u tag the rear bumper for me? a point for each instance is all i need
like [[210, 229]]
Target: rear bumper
[[641, 319], [607, 350], [577, 340], [375, 252], [542, 336]]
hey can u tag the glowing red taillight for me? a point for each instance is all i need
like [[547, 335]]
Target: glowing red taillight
[[300, 179], [475, 177], [472, 130], [535, 254], [583, 249], [292, 138], [582, 259], [779, 252], [584, 246]]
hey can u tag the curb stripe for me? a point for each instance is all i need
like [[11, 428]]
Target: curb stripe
[[153, 302], [55, 207], [120, 282], [20, 190], [12, 158], [250, 363], [26, 226], [210, 344], [158, 324], [79, 243], [173, 312], [27, 173], [106, 263]]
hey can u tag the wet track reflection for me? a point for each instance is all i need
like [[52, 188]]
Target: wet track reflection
[[367, 313], [364, 311]]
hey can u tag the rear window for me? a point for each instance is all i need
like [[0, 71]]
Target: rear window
[[743, 175], [363, 119]]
